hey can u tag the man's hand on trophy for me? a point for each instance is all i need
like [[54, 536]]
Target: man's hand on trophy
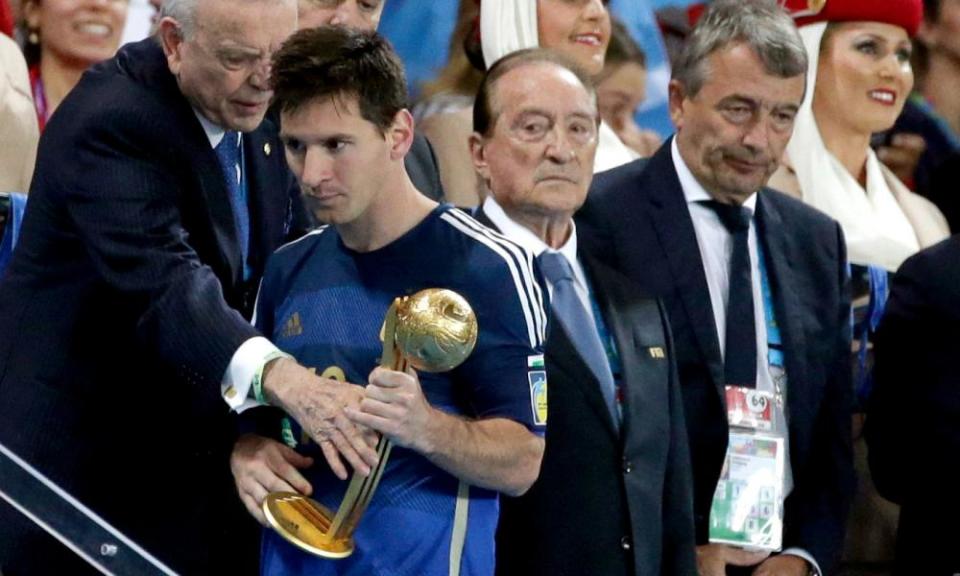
[[262, 465], [396, 407], [319, 405]]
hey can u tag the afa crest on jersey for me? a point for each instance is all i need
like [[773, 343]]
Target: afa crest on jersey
[[538, 395]]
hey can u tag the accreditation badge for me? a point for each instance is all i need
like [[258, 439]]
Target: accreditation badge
[[750, 408], [747, 508]]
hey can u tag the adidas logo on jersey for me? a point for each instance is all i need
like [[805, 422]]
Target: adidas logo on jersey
[[293, 327]]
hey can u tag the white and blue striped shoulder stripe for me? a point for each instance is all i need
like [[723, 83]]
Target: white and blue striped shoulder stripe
[[520, 264], [256, 302], [315, 232]]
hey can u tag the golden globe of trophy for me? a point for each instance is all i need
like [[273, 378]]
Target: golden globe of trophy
[[433, 330]]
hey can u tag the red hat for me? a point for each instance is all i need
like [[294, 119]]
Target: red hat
[[904, 13], [695, 11], [6, 18]]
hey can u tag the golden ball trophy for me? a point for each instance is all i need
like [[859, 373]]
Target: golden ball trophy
[[433, 330]]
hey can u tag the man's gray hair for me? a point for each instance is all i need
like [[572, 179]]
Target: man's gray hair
[[184, 12], [760, 24]]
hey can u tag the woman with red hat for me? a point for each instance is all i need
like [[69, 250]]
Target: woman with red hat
[[578, 29], [858, 80]]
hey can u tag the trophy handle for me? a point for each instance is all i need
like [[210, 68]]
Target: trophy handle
[[361, 488]]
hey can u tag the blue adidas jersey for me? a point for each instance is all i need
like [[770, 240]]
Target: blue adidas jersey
[[325, 304]]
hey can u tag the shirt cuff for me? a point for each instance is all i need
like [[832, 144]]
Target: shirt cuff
[[814, 567], [247, 362]]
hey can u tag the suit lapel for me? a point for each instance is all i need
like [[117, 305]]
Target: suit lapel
[[678, 239], [266, 196], [615, 309], [778, 249], [216, 198], [563, 357]]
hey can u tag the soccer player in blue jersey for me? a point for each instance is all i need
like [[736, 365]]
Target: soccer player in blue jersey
[[460, 437]]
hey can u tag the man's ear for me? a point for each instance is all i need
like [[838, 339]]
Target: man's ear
[[478, 154], [677, 96], [171, 38], [400, 134]]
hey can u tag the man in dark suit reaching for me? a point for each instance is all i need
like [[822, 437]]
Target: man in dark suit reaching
[[754, 282], [614, 494], [124, 342]]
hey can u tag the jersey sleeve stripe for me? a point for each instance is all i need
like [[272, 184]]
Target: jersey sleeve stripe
[[516, 270], [256, 305], [313, 232], [522, 256]]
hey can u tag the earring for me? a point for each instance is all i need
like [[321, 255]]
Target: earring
[[33, 37]]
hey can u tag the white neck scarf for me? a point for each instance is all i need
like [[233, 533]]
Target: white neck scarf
[[876, 229]]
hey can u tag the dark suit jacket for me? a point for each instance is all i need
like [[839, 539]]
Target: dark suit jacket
[[636, 219], [913, 421], [421, 165], [121, 309], [607, 501]]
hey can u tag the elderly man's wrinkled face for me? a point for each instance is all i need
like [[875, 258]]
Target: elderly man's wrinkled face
[[223, 66], [732, 133], [538, 157], [355, 14]]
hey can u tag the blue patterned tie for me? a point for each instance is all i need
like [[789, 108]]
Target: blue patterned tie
[[568, 309], [740, 354], [228, 152]]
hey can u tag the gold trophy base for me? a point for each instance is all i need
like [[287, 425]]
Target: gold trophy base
[[305, 523]]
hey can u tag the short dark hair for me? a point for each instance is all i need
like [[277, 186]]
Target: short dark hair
[[931, 11], [484, 117], [332, 61]]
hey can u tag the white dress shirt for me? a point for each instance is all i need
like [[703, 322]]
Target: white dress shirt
[[716, 246], [527, 239]]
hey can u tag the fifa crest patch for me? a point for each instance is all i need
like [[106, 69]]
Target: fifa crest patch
[[538, 395]]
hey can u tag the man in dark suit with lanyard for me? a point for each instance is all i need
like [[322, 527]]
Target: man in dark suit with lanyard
[[614, 493], [124, 338], [754, 282]]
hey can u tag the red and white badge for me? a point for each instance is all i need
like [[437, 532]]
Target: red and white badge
[[749, 408]]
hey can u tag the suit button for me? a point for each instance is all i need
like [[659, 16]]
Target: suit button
[[625, 543], [627, 466]]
